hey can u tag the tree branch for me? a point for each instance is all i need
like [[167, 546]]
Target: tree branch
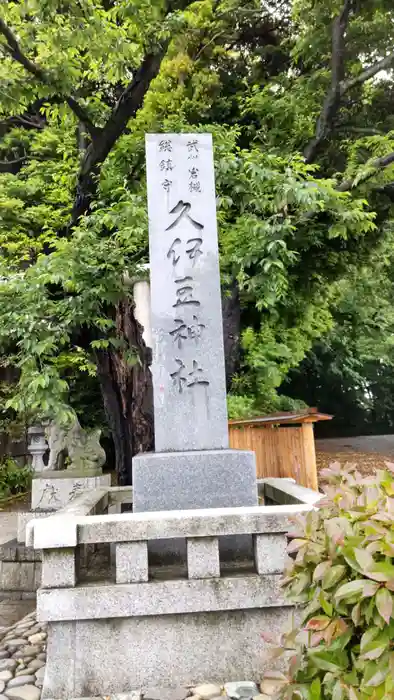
[[104, 139], [339, 87], [6, 165], [31, 123], [13, 49], [126, 107], [361, 130], [333, 97], [24, 121], [82, 115], [375, 165], [367, 74]]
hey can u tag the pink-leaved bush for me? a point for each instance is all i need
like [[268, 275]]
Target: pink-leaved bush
[[342, 572]]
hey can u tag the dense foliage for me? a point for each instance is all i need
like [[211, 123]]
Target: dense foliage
[[343, 571], [298, 98], [349, 371], [14, 479]]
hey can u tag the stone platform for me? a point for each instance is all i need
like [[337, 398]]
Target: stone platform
[[23, 667], [131, 629], [8, 526]]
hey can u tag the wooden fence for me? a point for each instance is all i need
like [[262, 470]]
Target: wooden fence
[[284, 444]]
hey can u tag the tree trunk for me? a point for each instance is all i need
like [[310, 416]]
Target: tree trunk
[[127, 392], [231, 311], [127, 389]]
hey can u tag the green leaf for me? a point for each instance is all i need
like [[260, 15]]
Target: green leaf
[[354, 589], [384, 604], [301, 583], [353, 694], [368, 637], [333, 576], [321, 569], [381, 571], [296, 544], [315, 693], [325, 604], [326, 661], [356, 614], [364, 559], [102, 344], [351, 678], [378, 678], [338, 692], [375, 672]]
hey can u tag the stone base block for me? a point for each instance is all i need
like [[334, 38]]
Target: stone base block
[[189, 480], [104, 657], [20, 569], [56, 489]]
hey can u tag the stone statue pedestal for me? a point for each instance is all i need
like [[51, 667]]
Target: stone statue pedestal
[[54, 490]]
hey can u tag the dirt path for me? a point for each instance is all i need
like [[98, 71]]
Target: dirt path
[[368, 452], [382, 444]]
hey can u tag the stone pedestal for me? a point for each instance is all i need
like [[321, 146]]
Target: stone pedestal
[[57, 489], [188, 480]]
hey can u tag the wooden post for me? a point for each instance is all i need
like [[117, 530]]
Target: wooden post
[[309, 457]]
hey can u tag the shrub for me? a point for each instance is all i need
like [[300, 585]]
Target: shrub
[[13, 478], [343, 571]]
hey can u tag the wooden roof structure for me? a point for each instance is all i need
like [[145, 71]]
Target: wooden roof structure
[[307, 415]]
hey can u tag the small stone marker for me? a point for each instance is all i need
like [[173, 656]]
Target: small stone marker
[[192, 466], [188, 358]]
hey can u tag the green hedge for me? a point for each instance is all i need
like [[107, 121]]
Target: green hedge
[[13, 478]]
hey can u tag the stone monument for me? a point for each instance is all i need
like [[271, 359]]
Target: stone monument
[[192, 466]]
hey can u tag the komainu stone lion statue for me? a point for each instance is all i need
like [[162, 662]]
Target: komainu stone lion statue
[[74, 449]]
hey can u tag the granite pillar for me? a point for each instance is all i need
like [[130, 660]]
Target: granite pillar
[[192, 466]]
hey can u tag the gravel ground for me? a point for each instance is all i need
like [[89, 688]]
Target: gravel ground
[[22, 659]]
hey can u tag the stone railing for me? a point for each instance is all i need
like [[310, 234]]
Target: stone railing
[[60, 536], [137, 625], [281, 492]]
